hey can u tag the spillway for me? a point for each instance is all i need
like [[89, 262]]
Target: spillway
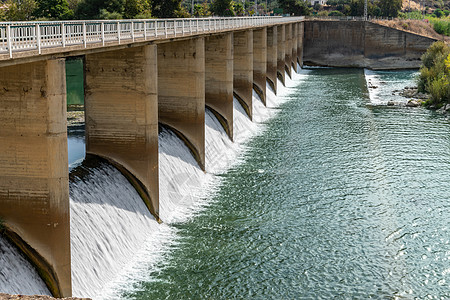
[[109, 222], [115, 241], [17, 275]]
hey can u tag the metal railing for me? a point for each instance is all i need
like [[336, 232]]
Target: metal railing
[[348, 18], [25, 36]]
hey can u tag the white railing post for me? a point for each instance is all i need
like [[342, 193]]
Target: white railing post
[[9, 40], [84, 35], [165, 27], [182, 26], [132, 31], [156, 29], [118, 31], [103, 33], [63, 35], [197, 26], [145, 30], [38, 38], [190, 26], [174, 28]]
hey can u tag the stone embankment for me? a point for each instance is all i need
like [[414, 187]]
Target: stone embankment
[[34, 297], [362, 45]]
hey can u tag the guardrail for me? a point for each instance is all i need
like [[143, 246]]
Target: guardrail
[[24, 36], [349, 18]]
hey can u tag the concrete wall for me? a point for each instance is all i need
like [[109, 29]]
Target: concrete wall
[[260, 62], [288, 49], [300, 42], [122, 115], [294, 45], [281, 53], [181, 92], [34, 183], [219, 78], [272, 56], [243, 69], [362, 44]]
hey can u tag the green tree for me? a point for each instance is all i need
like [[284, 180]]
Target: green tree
[[222, 8], [168, 9], [238, 8], [390, 8], [19, 11], [54, 10], [100, 9], [295, 7], [137, 9], [434, 75], [202, 10]]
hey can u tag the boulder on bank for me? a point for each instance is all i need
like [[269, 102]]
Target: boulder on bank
[[413, 103]]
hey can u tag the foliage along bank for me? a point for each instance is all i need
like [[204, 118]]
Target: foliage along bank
[[434, 77]]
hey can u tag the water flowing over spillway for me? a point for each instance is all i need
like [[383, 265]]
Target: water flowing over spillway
[[109, 222], [17, 275], [114, 239]]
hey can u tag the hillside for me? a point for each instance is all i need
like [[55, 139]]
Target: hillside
[[414, 26], [432, 4]]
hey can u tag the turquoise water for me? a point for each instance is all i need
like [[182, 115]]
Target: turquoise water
[[338, 198]]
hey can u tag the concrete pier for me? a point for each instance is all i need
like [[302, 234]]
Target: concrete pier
[[34, 175], [294, 46], [260, 62], [288, 49], [243, 69], [121, 105], [181, 92], [300, 46], [272, 56], [281, 53], [219, 78]]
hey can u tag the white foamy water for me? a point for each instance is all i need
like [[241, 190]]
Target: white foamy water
[[17, 275], [109, 222], [184, 188], [220, 151], [385, 87], [181, 181], [115, 241], [373, 85]]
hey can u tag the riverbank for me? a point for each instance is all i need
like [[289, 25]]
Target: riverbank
[[75, 115]]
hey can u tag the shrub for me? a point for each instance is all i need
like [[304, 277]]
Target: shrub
[[336, 13], [440, 27], [434, 75], [439, 90], [438, 13]]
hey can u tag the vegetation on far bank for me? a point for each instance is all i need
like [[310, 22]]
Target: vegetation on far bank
[[28, 10], [434, 77]]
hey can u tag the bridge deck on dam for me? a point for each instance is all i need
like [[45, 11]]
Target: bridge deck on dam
[[40, 40]]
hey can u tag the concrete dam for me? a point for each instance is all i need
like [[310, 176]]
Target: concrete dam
[[150, 86]]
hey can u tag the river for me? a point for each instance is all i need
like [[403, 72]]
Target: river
[[338, 197]]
